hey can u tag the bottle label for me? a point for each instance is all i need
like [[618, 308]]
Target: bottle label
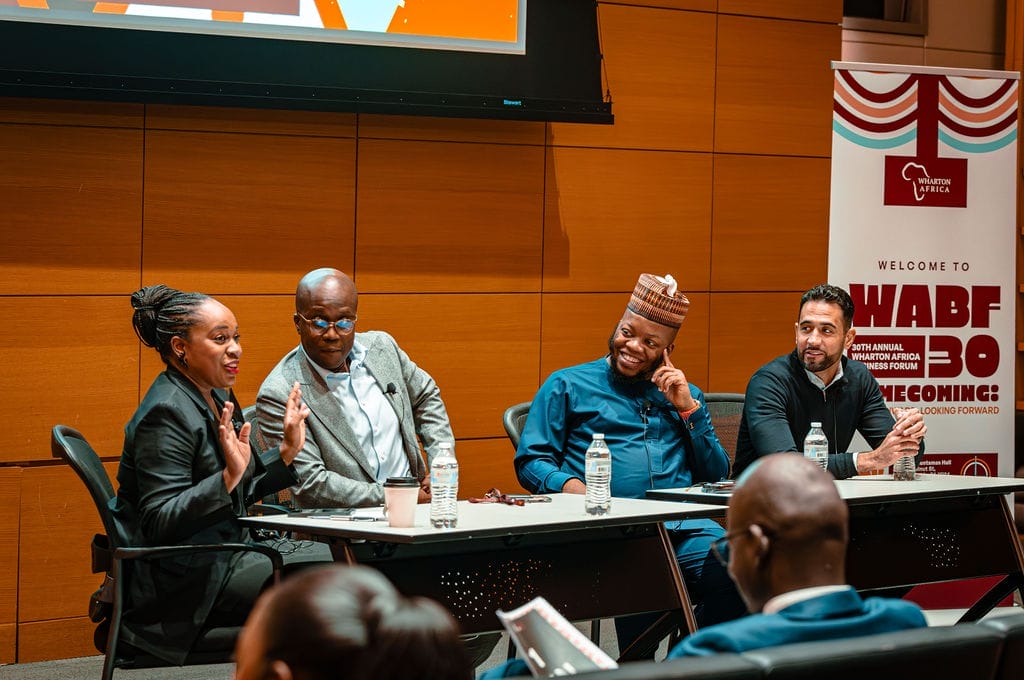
[[441, 477]]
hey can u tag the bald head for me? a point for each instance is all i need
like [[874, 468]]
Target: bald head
[[790, 493], [793, 527], [331, 281], [326, 295]]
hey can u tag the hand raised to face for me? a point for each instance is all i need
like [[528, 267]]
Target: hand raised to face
[[673, 384]]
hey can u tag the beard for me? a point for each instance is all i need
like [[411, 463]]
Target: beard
[[620, 378], [816, 366]]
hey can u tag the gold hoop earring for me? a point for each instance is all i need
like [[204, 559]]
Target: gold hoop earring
[[183, 360]]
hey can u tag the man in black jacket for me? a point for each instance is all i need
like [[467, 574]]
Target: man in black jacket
[[816, 382]]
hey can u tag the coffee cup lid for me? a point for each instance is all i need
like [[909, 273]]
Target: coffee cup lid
[[402, 481]]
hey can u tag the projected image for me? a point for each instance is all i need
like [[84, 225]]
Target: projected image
[[477, 25]]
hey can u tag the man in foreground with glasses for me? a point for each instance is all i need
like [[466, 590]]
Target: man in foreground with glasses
[[786, 550], [368, 401]]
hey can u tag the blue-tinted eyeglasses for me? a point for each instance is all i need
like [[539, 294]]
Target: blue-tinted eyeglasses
[[320, 326]]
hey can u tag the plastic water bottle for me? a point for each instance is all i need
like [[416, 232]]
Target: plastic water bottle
[[816, 445], [444, 488], [904, 469], [599, 477]]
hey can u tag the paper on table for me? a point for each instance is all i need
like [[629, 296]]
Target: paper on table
[[549, 644], [372, 514]]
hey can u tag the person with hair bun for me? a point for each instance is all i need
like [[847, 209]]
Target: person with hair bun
[[348, 621], [187, 473]]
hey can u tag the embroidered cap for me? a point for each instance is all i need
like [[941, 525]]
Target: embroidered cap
[[657, 298]]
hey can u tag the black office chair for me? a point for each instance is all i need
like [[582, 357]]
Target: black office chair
[[514, 420], [213, 645], [726, 409]]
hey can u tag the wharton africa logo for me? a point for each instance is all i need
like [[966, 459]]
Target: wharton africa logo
[[924, 109]]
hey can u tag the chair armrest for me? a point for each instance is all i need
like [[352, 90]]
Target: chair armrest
[[156, 552]]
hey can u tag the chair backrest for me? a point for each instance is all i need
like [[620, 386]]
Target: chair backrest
[[726, 409], [936, 653], [514, 421], [255, 436], [282, 497], [725, 666], [1011, 627], [69, 445]]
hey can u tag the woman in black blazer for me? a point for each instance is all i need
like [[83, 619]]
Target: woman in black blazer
[[187, 473]]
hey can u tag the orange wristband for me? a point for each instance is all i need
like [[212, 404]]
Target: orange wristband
[[686, 414]]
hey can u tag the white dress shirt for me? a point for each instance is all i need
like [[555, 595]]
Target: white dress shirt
[[369, 413]]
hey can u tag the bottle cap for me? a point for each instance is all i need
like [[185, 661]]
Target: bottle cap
[[598, 435], [815, 424]]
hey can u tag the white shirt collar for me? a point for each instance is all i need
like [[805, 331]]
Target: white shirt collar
[[780, 602]]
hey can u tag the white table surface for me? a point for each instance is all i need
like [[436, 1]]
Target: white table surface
[[564, 512], [876, 488]]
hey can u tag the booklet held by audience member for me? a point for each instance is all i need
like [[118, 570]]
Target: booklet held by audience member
[[550, 645]]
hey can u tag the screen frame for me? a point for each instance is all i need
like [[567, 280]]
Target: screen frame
[[558, 79]]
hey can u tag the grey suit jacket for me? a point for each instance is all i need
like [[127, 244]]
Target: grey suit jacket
[[333, 471]]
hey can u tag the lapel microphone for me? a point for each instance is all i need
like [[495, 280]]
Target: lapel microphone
[[645, 408], [391, 389]]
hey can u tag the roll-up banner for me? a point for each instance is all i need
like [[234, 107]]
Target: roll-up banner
[[923, 235]]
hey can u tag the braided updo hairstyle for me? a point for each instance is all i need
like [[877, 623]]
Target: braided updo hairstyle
[[349, 621], [161, 313]]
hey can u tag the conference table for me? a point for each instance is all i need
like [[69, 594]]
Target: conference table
[[502, 556], [933, 529]]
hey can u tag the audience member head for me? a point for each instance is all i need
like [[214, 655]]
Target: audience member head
[[824, 330], [647, 328], [192, 332], [326, 302], [787, 529], [348, 621]]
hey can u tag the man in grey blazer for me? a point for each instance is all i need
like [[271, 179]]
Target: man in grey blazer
[[368, 402]]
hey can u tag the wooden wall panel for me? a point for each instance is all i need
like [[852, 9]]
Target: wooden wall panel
[[660, 68], [700, 5], [770, 228], [82, 372], [10, 509], [58, 520], [776, 99], [441, 217], [243, 213], [256, 121], [57, 639], [827, 11], [63, 191], [71, 112], [425, 128], [750, 330], [482, 350], [576, 328], [8, 643], [485, 464], [611, 215]]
